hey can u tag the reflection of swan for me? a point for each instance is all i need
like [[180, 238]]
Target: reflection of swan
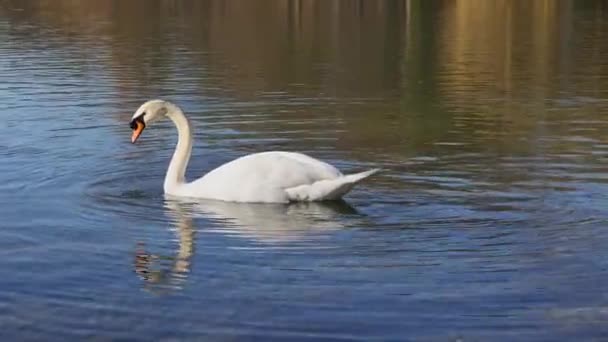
[[267, 223], [168, 272], [271, 177]]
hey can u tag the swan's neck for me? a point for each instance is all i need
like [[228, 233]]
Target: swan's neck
[[177, 167]]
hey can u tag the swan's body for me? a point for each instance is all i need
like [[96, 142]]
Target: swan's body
[[269, 177]]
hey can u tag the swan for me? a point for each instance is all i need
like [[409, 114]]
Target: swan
[[264, 177]]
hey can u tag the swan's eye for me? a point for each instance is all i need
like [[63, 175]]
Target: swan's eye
[[133, 123]]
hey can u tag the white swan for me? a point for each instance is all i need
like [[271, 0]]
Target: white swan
[[266, 177]]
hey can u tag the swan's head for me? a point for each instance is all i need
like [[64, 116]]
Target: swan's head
[[148, 112]]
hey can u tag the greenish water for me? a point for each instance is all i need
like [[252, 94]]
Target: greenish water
[[489, 223]]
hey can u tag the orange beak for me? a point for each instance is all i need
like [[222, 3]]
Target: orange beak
[[137, 131]]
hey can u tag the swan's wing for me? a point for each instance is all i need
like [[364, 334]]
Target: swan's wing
[[261, 177], [327, 189]]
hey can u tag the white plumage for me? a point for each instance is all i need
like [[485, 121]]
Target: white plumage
[[268, 177]]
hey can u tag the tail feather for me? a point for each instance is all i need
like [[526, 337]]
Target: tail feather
[[329, 189], [357, 177]]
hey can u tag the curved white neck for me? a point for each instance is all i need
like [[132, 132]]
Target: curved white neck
[[177, 167]]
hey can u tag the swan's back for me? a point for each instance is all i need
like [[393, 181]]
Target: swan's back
[[260, 177]]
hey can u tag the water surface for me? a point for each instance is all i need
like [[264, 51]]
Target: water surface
[[489, 223]]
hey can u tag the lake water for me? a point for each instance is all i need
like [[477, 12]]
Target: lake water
[[490, 221]]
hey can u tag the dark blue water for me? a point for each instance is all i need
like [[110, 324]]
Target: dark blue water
[[489, 223]]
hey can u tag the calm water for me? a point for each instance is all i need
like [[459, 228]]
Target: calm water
[[490, 222]]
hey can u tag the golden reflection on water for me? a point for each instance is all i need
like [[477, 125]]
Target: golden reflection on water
[[346, 48], [395, 79]]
